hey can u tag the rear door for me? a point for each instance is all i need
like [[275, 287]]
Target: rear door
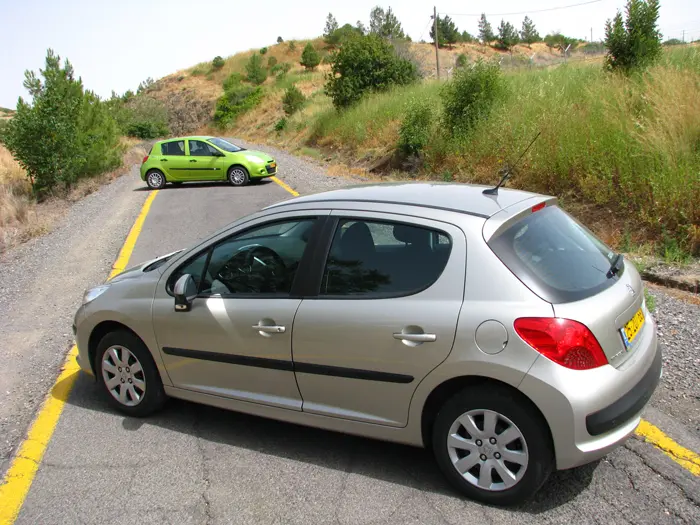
[[173, 160], [204, 163], [391, 288], [565, 264]]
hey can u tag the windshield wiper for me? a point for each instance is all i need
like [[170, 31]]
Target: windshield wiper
[[615, 265]]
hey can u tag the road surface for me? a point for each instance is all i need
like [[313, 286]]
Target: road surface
[[195, 464]]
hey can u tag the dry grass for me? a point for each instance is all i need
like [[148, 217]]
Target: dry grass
[[21, 218]]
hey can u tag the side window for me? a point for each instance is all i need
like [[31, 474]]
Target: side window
[[260, 261], [199, 148], [377, 259], [176, 147]]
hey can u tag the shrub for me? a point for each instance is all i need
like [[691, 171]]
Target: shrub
[[280, 40], [65, 133], [271, 62], [218, 62], [291, 46], [280, 70], [462, 60], [281, 124], [470, 95], [232, 80], [293, 100], [673, 42], [416, 128], [255, 71], [236, 101], [366, 64], [310, 57], [636, 42], [263, 51], [327, 59], [143, 117]]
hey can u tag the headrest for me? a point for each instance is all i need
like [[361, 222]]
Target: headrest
[[411, 234]]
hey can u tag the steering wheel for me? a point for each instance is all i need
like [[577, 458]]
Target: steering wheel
[[254, 268]]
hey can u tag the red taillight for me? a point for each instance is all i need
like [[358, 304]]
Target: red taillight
[[538, 207], [566, 342], [144, 160]]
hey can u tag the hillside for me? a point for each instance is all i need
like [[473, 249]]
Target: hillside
[[620, 152]]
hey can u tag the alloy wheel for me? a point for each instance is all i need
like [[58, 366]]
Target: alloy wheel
[[155, 179], [123, 376], [488, 450]]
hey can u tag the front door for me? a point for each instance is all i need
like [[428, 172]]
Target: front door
[[236, 341], [386, 315], [203, 162], [173, 160]]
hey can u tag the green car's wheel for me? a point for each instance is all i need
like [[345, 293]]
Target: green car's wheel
[[155, 179], [238, 176]]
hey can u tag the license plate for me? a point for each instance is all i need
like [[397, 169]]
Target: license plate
[[632, 328]]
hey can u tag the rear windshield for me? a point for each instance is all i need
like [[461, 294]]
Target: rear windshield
[[555, 256]]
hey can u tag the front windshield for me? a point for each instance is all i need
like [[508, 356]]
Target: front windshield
[[225, 145]]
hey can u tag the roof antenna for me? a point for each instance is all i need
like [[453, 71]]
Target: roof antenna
[[508, 170]]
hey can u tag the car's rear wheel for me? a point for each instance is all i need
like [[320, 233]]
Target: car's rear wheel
[[238, 176], [155, 179], [492, 445], [127, 374]]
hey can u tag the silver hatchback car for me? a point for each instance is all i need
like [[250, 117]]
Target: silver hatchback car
[[493, 329]]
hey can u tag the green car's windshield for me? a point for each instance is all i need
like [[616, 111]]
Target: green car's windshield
[[225, 145]]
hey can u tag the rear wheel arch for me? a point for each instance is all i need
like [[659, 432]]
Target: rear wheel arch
[[447, 389]]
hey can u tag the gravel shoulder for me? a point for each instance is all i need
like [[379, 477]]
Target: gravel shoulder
[[41, 283]]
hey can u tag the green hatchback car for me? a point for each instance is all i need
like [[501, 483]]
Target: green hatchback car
[[199, 159]]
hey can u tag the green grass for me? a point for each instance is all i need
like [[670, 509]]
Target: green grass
[[373, 122], [650, 300]]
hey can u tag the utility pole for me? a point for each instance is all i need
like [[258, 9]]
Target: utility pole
[[437, 56], [684, 36], [591, 35]]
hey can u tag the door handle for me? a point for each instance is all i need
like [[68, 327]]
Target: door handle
[[416, 338], [193, 160], [164, 160], [269, 329]]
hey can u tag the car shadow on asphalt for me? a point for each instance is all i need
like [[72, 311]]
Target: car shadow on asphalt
[[404, 465], [208, 184]]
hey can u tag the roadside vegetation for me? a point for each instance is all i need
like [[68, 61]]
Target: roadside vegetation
[[618, 120]]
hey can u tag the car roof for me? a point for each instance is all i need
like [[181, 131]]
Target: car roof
[[192, 137], [457, 197]]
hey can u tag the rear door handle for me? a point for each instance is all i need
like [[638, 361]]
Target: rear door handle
[[416, 338], [193, 160], [164, 160], [269, 329]]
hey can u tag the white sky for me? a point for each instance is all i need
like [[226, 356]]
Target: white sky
[[117, 44]]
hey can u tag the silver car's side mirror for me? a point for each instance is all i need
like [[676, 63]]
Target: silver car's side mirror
[[185, 291]]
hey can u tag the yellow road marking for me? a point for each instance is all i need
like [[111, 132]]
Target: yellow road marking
[[285, 186], [681, 455], [19, 477]]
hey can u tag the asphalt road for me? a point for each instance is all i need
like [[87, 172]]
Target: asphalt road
[[196, 464]]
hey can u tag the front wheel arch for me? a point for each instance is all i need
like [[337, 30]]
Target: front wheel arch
[[99, 332]]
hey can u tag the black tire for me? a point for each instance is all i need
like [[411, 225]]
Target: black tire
[[523, 415], [155, 179], [153, 396], [238, 176]]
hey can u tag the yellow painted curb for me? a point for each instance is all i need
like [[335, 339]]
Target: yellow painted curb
[[285, 186], [684, 457], [19, 477]]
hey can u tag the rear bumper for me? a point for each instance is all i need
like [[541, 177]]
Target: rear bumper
[[592, 412], [629, 405]]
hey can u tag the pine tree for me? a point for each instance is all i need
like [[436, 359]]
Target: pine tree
[[634, 43], [528, 33], [310, 57], [507, 35], [485, 31], [329, 36]]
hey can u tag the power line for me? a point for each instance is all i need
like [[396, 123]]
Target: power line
[[426, 27], [526, 12]]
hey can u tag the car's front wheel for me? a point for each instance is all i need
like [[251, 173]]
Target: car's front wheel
[[238, 176], [128, 375], [492, 446], [155, 179]]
